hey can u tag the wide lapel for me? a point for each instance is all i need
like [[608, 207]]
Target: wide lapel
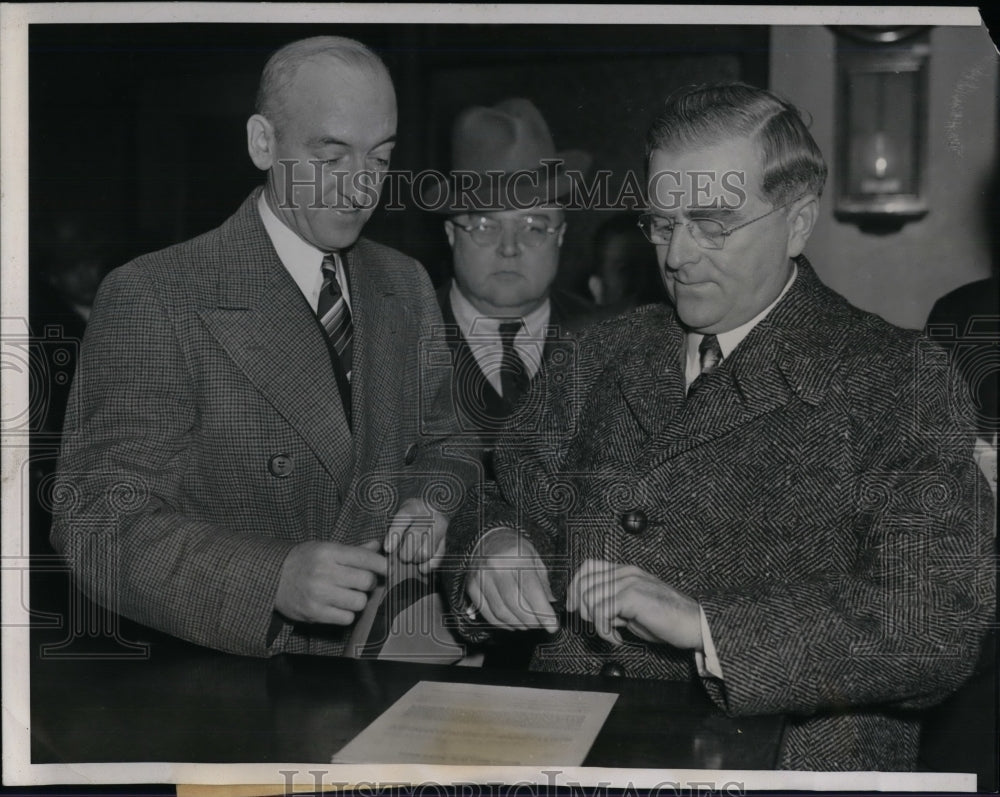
[[744, 386], [266, 326], [468, 380], [782, 358], [378, 315], [650, 376]]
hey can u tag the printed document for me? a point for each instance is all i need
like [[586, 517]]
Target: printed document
[[449, 723]]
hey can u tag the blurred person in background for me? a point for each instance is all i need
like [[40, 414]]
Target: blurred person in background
[[625, 274]]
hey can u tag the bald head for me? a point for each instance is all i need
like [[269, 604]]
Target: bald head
[[324, 132], [278, 79]]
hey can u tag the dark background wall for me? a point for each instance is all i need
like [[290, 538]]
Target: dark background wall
[[137, 132]]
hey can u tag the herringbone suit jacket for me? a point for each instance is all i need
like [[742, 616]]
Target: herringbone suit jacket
[[817, 495], [206, 436]]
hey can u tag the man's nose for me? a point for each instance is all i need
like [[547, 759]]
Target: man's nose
[[683, 248], [508, 245], [359, 188]]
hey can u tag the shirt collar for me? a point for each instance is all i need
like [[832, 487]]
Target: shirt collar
[[474, 324], [728, 341], [301, 259]]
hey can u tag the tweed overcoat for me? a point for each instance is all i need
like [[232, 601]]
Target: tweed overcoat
[[206, 435], [817, 495]]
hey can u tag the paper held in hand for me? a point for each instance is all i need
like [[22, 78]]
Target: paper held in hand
[[449, 723]]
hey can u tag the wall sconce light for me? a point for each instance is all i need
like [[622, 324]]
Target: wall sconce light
[[881, 126]]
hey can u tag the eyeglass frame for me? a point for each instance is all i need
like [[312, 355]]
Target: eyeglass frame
[[690, 224], [467, 229]]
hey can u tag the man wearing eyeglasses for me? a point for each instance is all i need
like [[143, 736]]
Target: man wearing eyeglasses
[[505, 228], [758, 487]]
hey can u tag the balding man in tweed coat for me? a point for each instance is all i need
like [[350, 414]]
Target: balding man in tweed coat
[[760, 486], [231, 469]]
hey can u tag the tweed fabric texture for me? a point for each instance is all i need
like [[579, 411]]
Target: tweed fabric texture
[[817, 495], [206, 436]]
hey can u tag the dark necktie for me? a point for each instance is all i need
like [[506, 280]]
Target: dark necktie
[[514, 376], [334, 314], [710, 354]]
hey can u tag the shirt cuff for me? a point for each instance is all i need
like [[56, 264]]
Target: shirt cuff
[[708, 661]]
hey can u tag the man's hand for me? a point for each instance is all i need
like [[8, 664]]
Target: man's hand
[[326, 582], [417, 531], [614, 596], [509, 585]]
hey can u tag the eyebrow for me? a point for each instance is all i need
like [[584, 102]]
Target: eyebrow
[[720, 214], [333, 141], [712, 213]]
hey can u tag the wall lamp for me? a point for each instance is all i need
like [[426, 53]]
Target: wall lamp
[[881, 125]]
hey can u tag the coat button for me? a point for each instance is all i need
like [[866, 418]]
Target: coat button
[[634, 522], [411, 454], [281, 465], [613, 670]]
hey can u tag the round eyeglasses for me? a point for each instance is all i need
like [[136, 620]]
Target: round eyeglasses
[[707, 233], [530, 231]]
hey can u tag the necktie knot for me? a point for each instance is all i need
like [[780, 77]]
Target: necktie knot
[[330, 282], [710, 353], [508, 331]]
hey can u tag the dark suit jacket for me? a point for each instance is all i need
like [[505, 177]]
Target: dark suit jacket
[[206, 436], [480, 408], [817, 495], [966, 322]]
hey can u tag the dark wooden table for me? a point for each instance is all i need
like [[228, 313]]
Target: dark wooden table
[[189, 704]]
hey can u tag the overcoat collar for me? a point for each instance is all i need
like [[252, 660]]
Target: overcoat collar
[[787, 356]]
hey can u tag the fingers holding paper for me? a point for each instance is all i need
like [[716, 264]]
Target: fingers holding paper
[[614, 596], [508, 584], [328, 582]]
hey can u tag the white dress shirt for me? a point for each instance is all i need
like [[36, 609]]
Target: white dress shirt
[[708, 662], [300, 258], [482, 333], [728, 341]]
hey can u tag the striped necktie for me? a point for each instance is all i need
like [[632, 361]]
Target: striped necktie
[[334, 314], [710, 353]]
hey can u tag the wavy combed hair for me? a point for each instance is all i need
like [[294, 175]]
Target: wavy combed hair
[[699, 116], [281, 68]]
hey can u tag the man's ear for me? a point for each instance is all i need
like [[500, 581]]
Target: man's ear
[[449, 230], [260, 141], [802, 217], [596, 287]]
